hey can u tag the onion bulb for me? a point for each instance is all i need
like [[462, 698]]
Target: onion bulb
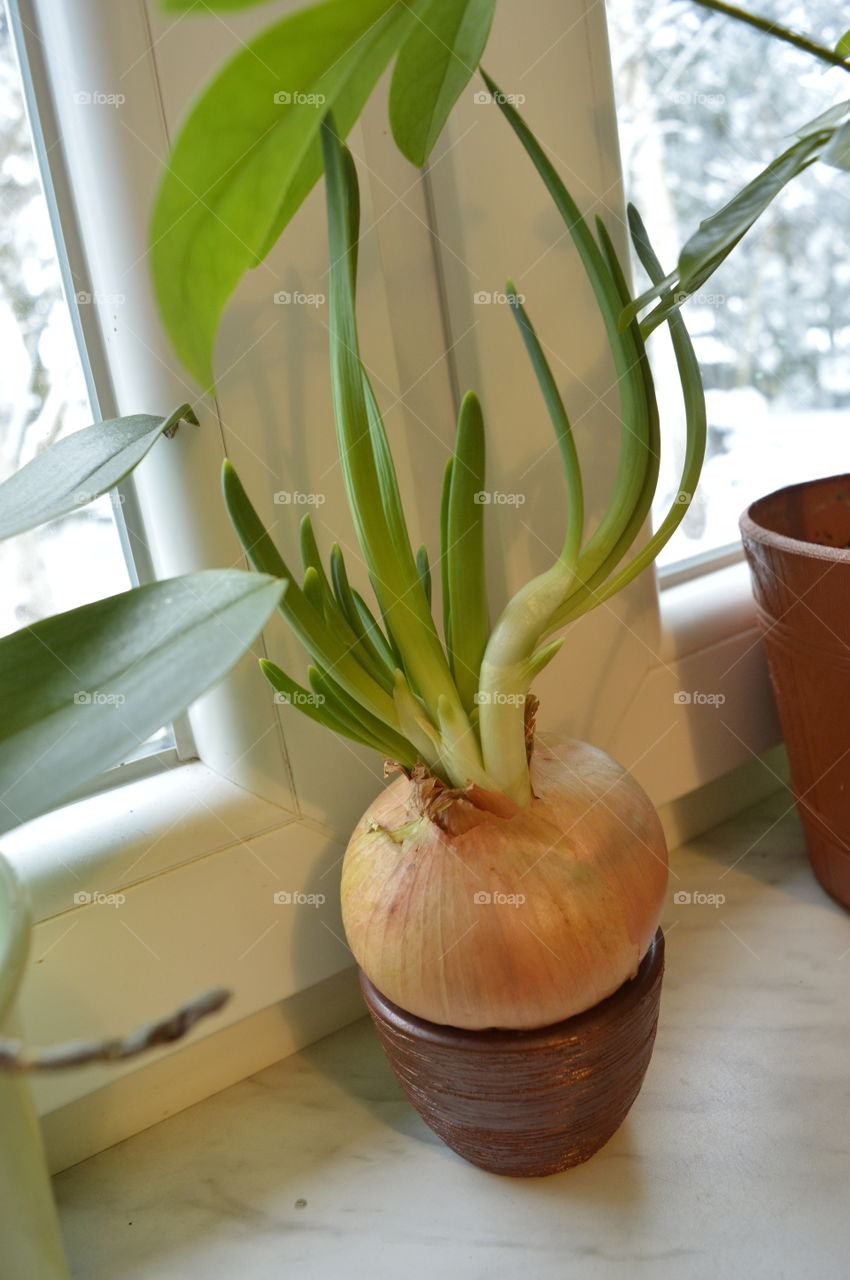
[[469, 910]]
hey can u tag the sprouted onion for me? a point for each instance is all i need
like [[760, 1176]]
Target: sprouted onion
[[479, 809]]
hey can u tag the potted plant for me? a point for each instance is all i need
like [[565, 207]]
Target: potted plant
[[150, 651], [796, 540], [797, 543], [501, 896]]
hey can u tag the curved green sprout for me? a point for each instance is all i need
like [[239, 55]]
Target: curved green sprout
[[458, 703]]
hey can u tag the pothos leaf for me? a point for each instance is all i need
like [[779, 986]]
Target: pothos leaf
[[434, 65], [248, 154]]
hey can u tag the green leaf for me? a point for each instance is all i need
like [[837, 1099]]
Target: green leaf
[[347, 106], [444, 546], [296, 695], [592, 590], [78, 469], [541, 659], [367, 632], [312, 588], [255, 539], [387, 483], [695, 419], [717, 236], [643, 506], [384, 645], [315, 570], [414, 723], [434, 65], [318, 591], [82, 689], [366, 461], [372, 732], [464, 552], [635, 411], [837, 150], [832, 116], [562, 426], [423, 567], [243, 162], [321, 641], [695, 438], [310, 557], [843, 46]]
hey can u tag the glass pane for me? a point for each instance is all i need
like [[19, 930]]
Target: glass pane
[[43, 396], [703, 104]]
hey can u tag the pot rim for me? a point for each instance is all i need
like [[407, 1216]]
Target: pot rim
[[754, 531], [496, 1038]]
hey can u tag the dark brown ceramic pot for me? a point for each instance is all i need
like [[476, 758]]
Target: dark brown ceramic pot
[[527, 1103], [797, 542]]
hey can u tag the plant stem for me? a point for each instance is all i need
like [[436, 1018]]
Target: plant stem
[[14, 1057], [777, 31], [506, 673]]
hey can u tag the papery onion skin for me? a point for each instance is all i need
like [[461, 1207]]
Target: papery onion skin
[[576, 883]]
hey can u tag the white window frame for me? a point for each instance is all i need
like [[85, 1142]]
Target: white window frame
[[73, 273], [255, 808]]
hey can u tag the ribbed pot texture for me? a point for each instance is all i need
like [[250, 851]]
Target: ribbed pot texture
[[528, 1103], [797, 542]]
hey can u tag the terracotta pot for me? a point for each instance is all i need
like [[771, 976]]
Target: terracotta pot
[[527, 1103], [797, 542]]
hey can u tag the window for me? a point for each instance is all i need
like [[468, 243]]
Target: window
[[45, 386], [43, 396], [703, 104], [198, 853]]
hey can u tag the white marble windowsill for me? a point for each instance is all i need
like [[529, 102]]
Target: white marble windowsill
[[734, 1162]]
